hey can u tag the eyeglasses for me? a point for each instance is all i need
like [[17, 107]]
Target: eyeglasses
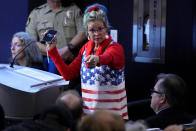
[[99, 30], [153, 91]]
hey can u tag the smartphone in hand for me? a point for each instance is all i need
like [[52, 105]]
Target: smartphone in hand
[[49, 36]]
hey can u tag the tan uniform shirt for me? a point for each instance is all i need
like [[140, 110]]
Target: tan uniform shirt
[[67, 21]]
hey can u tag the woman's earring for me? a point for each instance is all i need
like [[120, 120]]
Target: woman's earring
[[88, 37], [106, 36]]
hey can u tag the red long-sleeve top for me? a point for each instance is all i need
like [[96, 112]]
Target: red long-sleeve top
[[109, 54]]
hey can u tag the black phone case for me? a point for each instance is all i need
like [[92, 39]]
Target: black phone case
[[49, 36]]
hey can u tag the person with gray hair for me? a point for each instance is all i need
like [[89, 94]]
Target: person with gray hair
[[30, 56], [135, 126], [100, 63]]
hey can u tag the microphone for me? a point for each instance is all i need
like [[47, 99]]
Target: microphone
[[12, 63]]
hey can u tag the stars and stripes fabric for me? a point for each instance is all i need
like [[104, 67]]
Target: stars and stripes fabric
[[103, 88]]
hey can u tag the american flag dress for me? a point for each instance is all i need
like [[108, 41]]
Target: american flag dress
[[103, 89]]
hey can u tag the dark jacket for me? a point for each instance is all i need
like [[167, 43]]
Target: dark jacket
[[169, 116]]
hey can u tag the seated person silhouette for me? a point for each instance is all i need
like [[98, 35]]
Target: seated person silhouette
[[30, 56], [73, 100], [168, 102], [52, 118]]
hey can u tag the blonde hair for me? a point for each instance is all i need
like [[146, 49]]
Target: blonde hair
[[93, 13]]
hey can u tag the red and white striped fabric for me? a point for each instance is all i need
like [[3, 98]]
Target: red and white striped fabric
[[103, 89]]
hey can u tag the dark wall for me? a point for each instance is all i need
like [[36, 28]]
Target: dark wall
[[81, 3], [34, 3], [13, 16], [180, 41]]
